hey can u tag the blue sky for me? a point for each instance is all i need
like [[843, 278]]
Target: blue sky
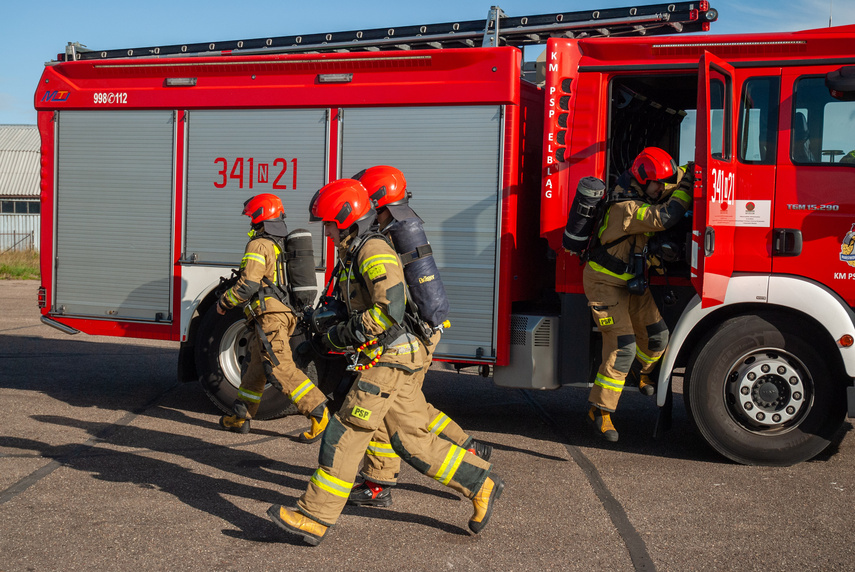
[[34, 32]]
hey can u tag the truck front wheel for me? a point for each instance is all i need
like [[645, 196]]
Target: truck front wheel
[[761, 393], [220, 348]]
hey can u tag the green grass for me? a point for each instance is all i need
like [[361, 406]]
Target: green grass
[[19, 265]]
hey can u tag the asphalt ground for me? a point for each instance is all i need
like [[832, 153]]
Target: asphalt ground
[[108, 463]]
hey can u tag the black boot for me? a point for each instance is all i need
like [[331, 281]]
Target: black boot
[[480, 450], [370, 494]]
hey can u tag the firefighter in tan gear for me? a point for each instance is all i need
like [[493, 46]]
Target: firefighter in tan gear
[[387, 189], [271, 323], [652, 196], [392, 364]]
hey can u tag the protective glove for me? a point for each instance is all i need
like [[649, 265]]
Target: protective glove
[[347, 334]]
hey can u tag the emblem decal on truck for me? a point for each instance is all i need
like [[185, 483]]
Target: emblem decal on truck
[[847, 246]]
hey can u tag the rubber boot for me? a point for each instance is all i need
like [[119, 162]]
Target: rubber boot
[[239, 422], [234, 424], [311, 531], [480, 450], [483, 502], [646, 385], [370, 493], [319, 424], [602, 422]]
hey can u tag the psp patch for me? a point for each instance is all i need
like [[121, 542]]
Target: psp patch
[[376, 271], [607, 321], [361, 413]]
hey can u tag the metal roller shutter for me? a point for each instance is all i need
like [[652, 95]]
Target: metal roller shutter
[[114, 214], [223, 146], [451, 157]]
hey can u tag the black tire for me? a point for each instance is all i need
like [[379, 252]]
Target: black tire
[[760, 392], [220, 349]]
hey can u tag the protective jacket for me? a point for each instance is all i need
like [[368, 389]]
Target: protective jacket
[[371, 281], [275, 321], [260, 261], [631, 220]]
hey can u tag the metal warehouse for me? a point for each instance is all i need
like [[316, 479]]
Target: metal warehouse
[[19, 187]]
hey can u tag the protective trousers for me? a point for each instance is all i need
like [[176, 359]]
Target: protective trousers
[[632, 329], [386, 395], [382, 464], [257, 369]]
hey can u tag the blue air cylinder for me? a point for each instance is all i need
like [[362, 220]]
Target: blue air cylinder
[[420, 270]]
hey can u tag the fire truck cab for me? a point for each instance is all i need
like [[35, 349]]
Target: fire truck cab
[[759, 296]]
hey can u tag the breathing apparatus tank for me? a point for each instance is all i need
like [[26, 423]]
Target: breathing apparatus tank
[[299, 258], [420, 270], [584, 211]]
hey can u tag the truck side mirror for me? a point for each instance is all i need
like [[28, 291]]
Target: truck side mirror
[[841, 83]]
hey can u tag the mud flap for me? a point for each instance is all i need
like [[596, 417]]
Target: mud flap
[[665, 417]]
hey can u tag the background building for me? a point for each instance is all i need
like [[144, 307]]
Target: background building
[[19, 187]]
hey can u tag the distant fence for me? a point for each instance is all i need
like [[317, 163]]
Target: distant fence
[[17, 241]]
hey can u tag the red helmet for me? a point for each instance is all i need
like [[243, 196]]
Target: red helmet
[[653, 164], [263, 207], [385, 185], [344, 202]]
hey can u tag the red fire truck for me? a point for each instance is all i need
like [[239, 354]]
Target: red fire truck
[[148, 155]]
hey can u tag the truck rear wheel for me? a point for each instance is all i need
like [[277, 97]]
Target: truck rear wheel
[[220, 348], [761, 393]]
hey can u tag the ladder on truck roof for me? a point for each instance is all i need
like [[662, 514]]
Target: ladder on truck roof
[[497, 30]]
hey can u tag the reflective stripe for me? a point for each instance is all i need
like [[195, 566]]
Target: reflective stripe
[[573, 236], [605, 223], [403, 349], [380, 317], [257, 302], [302, 288], [378, 449], [253, 256], [331, 484], [609, 383], [449, 466], [604, 270], [278, 252], [377, 259], [301, 391], [645, 358], [639, 214], [248, 395], [230, 296], [439, 423], [683, 196]]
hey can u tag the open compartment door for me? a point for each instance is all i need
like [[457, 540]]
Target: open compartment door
[[715, 181]]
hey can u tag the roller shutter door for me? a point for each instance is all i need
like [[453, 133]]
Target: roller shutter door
[[114, 214], [451, 157], [236, 154]]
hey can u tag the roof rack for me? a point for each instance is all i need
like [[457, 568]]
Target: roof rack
[[497, 30]]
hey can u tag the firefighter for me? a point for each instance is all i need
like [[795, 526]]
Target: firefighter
[[387, 189], [651, 197], [388, 389], [271, 323]]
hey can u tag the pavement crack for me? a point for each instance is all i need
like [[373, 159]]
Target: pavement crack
[[635, 545]]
